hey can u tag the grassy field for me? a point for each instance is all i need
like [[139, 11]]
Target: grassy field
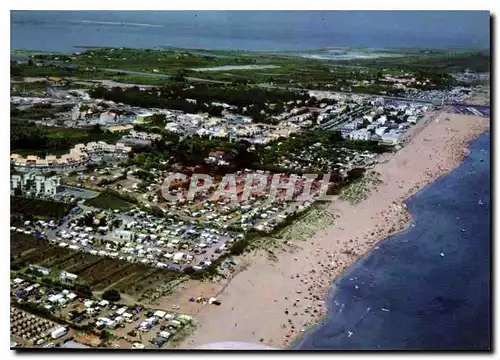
[[38, 208], [293, 68], [21, 245], [108, 201], [28, 138], [162, 60], [360, 189], [37, 88]]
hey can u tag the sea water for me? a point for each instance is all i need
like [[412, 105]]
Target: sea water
[[428, 287], [248, 30]]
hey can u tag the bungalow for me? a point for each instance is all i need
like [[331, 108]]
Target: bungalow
[[18, 281], [68, 159], [51, 160], [64, 275], [55, 298], [31, 159], [368, 117], [93, 147], [21, 162], [382, 120], [40, 269], [57, 81], [361, 134], [391, 138], [121, 148], [107, 117], [143, 118], [62, 162], [41, 163], [123, 235], [381, 130], [120, 128], [412, 119]]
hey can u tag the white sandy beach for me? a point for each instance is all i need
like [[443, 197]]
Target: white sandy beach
[[273, 302]]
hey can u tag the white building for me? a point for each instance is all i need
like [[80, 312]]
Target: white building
[[16, 182], [361, 134], [64, 275], [381, 130], [368, 117], [47, 186], [123, 236], [412, 119], [391, 137], [382, 120], [39, 184], [107, 117], [60, 331]]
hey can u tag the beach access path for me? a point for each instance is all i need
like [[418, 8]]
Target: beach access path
[[273, 302]]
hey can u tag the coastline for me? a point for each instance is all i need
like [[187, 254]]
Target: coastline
[[276, 308], [406, 271]]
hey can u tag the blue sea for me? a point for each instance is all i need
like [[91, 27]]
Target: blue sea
[[64, 31], [427, 288]]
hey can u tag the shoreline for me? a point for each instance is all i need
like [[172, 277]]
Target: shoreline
[[258, 308], [413, 219], [406, 228]]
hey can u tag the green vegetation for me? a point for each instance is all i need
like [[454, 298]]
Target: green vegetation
[[293, 69], [257, 103], [36, 208], [36, 88], [111, 295], [191, 151], [326, 144], [95, 273], [18, 71], [300, 225], [110, 199], [163, 61], [39, 111], [432, 62], [360, 188], [42, 140]]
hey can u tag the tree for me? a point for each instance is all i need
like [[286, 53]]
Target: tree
[[189, 270], [105, 336], [179, 75], [84, 107], [364, 124], [84, 290], [96, 129], [111, 295], [50, 174]]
